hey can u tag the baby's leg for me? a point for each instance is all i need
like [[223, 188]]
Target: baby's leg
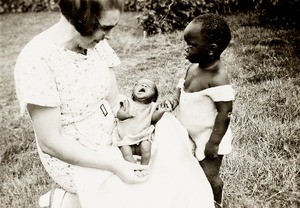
[[127, 153], [211, 167], [145, 147]]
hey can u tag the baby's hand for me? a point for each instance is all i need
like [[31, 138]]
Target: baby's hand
[[123, 112]]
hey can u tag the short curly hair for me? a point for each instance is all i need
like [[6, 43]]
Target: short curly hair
[[83, 14], [214, 29]]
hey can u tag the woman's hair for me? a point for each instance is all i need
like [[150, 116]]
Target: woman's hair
[[84, 14], [214, 29]]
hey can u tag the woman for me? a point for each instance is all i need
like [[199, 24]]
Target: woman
[[64, 80]]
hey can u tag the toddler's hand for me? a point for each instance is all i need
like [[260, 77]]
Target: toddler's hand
[[163, 108], [170, 103]]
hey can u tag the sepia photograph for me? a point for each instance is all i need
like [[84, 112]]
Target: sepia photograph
[[150, 103]]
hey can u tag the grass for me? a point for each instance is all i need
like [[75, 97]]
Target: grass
[[263, 169]]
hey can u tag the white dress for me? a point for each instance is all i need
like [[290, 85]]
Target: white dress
[[197, 113], [49, 75]]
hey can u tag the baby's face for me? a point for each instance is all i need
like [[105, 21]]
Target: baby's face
[[143, 90]]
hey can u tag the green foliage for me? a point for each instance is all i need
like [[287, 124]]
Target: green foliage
[[279, 12], [7, 6], [134, 5], [168, 15]]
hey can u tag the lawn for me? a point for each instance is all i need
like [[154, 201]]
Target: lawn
[[263, 63]]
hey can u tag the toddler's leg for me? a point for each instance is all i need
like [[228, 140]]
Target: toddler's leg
[[127, 153], [211, 167]]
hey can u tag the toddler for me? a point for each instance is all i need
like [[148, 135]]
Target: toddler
[[205, 95]]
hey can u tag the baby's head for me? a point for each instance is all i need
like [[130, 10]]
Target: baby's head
[[145, 91], [207, 37]]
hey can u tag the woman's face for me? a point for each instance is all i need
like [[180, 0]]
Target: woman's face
[[108, 20]]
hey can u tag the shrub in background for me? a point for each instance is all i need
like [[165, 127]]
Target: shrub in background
[[7, 6], [161, 16], [279, 12], [134, 5]]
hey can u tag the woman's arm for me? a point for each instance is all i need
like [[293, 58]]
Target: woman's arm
[[114, 97], [47, 126]]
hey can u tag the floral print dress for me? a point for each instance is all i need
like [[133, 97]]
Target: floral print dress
[[47, 74]]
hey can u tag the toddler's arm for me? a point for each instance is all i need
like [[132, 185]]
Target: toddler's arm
[[173, 101], [220, 127]]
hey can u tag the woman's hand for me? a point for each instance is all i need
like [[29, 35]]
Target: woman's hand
[[127, 172]]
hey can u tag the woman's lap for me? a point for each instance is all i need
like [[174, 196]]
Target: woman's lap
[[62, 173], [176, 179]]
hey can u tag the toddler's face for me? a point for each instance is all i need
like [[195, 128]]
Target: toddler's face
[[143, 90], [197, 50]]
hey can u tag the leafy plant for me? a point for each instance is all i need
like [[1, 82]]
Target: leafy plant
[[168, 15], [161, 16], [279, 12], [19, 6]]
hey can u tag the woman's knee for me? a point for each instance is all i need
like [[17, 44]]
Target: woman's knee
[[70, 201]]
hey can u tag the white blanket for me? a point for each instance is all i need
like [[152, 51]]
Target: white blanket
[[176, 178]]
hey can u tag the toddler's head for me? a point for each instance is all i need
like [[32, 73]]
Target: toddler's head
[[207, 36], [145, 91]]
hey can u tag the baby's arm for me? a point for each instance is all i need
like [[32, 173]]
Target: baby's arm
[[123, 112], [158, 113]]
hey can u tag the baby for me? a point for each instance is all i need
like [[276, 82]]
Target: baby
[[135, 121]]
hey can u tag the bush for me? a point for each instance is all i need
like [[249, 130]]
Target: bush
[[279, 12], [7, 6], [134, 5], [161, 16]]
